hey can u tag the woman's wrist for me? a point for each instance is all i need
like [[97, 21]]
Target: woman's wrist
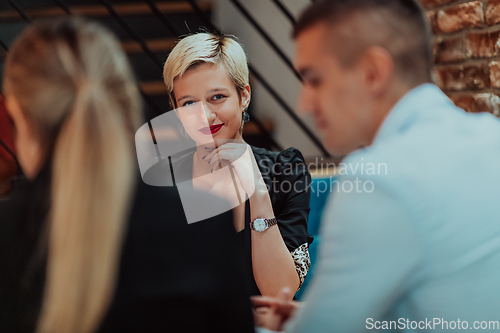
[[260, 205]]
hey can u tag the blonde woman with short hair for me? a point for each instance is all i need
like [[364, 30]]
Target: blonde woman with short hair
[[82, 245], [209, 73]]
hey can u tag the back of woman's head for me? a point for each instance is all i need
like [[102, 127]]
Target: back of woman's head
[[55, 66], [74, 85], [204, 47]]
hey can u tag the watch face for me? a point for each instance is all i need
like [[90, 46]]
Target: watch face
[[259, 225]]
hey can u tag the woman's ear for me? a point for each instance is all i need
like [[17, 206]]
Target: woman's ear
[[246, 94]]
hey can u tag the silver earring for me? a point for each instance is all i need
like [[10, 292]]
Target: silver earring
[[246, 116]]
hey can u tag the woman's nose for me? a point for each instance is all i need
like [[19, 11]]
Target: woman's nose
[[208, 113]]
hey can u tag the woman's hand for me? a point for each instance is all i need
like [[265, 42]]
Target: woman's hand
[[237, 155], [272, 312]]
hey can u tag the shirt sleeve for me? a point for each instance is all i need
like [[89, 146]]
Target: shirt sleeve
[[293, 182], [369, 250]]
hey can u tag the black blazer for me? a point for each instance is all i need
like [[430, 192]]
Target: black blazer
[[173, 277]]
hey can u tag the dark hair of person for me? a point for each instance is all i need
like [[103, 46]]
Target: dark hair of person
[[399, 26]]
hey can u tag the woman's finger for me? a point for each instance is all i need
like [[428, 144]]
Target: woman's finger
[[224, 155], [238, 147], [210, 155], [258, 301]]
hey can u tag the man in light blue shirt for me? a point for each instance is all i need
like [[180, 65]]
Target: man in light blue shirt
[[410, 239]]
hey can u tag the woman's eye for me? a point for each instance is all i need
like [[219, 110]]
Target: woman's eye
[[188, 103], [218, 97]]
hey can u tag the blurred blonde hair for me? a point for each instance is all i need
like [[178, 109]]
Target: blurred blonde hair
[[205, 47], [75, 85]]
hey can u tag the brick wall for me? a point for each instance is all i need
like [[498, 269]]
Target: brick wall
[[467, 51]]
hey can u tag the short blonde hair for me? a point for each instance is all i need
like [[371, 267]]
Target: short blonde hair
[[205, 47]]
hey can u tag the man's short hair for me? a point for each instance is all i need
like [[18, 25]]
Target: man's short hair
[[399, 26]]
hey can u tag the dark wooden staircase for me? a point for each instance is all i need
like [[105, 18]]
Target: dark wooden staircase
[[137, 15]]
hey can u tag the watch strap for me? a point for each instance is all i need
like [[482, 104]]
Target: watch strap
[[268, 223], [271, 222]]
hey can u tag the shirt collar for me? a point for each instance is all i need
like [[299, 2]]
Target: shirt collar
[[424, 98]]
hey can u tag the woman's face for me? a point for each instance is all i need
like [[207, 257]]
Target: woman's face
[[208, 104], [28, 147]]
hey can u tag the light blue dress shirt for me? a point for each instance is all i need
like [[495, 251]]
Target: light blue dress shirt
[[417, 238]]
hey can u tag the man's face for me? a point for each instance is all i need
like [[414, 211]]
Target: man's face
[[333, 94]]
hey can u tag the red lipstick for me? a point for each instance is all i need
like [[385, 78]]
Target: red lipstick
[[211, 130]]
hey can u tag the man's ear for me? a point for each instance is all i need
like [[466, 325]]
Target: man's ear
[[246, 94], [378, 70]]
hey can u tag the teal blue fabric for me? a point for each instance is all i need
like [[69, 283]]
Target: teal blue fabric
[[318, 200]]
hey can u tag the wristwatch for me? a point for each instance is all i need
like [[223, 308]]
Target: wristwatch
[[262, 224]]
